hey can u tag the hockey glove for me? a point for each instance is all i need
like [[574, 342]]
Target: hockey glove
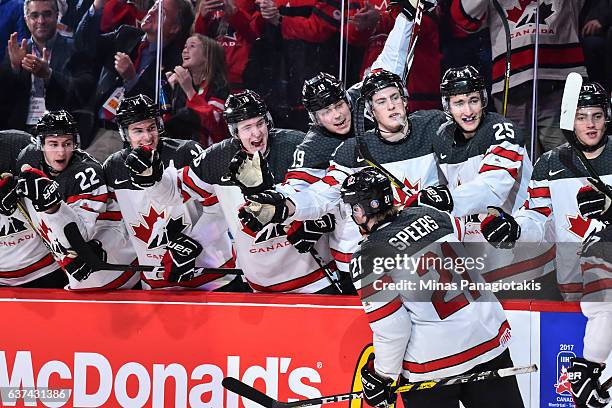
[[593, 202], [263, 209], [40, 189], [586, 388], [77, 267], [303, 235], [377, 390], [8, 194], [179, 259], [251, 174], [145, 166], [500, 228], [438, 197]]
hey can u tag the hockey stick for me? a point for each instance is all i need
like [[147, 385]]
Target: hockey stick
[[246, 391], [608, 384], [569, 105], [84, 251], [414, 36], [332, 276], [504, 20]]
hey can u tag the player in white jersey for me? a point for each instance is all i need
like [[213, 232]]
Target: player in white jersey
[[401, 143], [62, 185], [558, 176], [420, 298], [25, 260], [155, 228], [269, 261]]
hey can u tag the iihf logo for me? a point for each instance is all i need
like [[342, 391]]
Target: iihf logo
[[563, 386]]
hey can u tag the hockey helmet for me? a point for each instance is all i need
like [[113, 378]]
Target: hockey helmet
[[592, 94], [56, 123], [321, 91], [242, 106], [460, 81], [368, 189], [135, 109], [379, 79]]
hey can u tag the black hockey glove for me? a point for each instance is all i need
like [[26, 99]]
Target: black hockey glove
[[263, 209], [303, 235], [77, 267], [251, 174], [438, 197], [500, 228], [586, 388], [40, 189], [145, 166], [593, 203], [8, 194], [377, 390], [179, 259]]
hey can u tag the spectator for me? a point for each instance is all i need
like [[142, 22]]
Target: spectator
[[11, 20], [199, 93], [304, 31], [597, 15], [42, 73], [127, 56], [559, 54], [231, 24]]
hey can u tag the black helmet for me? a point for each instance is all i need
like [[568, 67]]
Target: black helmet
[[242, 106], [135, 109], [462, 80], [58, 122], [369, 189], [379, 79], [591, 94], [321, 91]]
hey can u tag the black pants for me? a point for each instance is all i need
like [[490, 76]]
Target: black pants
[[496, 393], [54, 280]]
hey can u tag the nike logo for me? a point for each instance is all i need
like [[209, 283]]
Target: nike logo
[[120, 181], [552, 173], [443, 156], [360, 159]]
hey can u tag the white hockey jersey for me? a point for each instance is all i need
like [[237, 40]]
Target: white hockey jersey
[[149, 224], [419, 303]]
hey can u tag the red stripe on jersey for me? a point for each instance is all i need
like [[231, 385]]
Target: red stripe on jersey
[[99, 197], [596, 286], [459, 358], [384, 311], [330, 180], [520, 267], [549, 57], [570, 287], [301, 175], [294, 283], [488, 167], [341, 256], [369, 290], [230, 263], [194, 283], [189, 182], [114, 284], [110, 215], [41, 263], [545, 211], [506, 154], [539, 192], [458, 225], [212, 200], [588, 265]]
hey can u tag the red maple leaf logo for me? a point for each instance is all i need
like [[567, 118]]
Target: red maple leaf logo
[[563, 384], [515, 13], [578, 225], [400, 197], [44, 231], [144, 231]]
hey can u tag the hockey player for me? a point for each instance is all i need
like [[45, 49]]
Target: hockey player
[[558, 176], [153, 228], [62, 184], [26, 262], [596, 304], [401, 143], [269, 261], [415, 307]]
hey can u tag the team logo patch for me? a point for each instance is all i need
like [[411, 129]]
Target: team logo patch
[[11, 225], [156, 227]]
